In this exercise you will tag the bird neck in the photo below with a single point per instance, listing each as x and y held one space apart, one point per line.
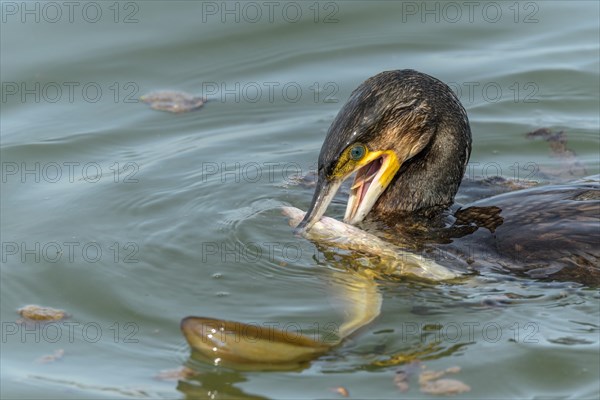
427 183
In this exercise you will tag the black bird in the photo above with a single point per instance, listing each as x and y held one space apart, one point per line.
407 138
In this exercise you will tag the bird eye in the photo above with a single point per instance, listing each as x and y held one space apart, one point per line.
357 152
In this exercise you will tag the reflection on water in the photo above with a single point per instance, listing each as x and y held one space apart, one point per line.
434 333
219 384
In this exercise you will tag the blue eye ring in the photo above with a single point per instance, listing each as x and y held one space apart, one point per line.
357 152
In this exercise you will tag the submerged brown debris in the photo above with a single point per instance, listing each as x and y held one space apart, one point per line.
570 166
342 391
430 381
34 312
176 374
49 358
173 101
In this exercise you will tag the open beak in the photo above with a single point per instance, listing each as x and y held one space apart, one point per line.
370 182
373 176
324 193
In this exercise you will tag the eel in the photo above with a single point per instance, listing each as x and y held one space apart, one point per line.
253 347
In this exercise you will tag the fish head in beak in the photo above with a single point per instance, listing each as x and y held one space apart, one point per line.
374 172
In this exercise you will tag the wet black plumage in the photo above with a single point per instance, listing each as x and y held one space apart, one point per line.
543 232
547 232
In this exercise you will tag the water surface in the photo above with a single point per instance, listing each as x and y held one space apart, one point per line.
131 219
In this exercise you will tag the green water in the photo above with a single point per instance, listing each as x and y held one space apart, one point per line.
131 219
